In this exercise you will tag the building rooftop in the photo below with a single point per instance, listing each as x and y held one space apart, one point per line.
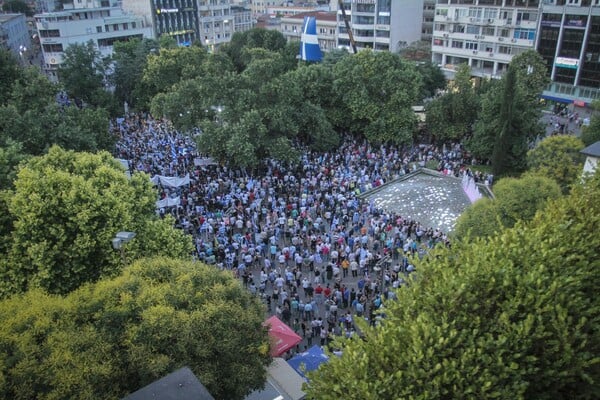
319 15
592 150
179 385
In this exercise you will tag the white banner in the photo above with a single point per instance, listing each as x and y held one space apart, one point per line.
171 181
168 202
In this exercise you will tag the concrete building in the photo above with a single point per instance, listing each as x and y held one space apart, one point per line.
242 18
216 22
485 34
569 41
259 7
176 18
91 20
384 25
291 27
14 35
428 18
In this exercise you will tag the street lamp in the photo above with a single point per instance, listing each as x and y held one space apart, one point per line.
119 240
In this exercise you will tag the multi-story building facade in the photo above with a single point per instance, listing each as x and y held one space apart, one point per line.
569 41
242 19
259 7
94 21
485 34
14 35
291 27
383 25
176 18
216 22
428 17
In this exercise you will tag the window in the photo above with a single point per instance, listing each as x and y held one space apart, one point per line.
504 49
133 25
471 45
49 33
99 29
125 27
490 13
475 12
457 44
458 29
504 32
442 11
528 34
53 48
488 31
473 29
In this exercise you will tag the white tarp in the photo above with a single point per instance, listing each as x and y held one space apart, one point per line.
171 181
168 202
202 161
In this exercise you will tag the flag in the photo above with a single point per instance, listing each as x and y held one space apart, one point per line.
309 41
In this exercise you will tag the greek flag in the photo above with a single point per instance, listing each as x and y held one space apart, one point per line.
309 42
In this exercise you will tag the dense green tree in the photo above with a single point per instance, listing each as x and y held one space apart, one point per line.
450 117
528 79
113 337
510 144
130 59
67 208
34 119
168 67
516 199
480 219
591 134
17 6
558 158
9 74
255 38
514 317
433 79
10 156
83 73
376 91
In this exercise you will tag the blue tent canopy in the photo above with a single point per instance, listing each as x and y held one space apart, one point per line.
308 361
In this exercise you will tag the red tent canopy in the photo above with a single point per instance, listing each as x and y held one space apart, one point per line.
282 336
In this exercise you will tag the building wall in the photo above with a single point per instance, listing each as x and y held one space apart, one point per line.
103 26
384 25
482 35
14 35
569 41
291 28
176 18
216 22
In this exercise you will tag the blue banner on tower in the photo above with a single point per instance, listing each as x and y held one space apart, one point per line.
309 42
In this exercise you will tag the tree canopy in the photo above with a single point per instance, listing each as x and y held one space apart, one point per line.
516 199
512 317
67 208
111 338
557 157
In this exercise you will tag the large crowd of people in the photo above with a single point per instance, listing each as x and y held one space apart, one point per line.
299 236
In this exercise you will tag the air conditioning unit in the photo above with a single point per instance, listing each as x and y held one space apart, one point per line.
514 40
446 35
448 18
501 39
490 21
472 19
491 54
474 51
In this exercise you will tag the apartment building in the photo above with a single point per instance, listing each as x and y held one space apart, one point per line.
216 22
291 28
569 41
383 25
242 18
175 18
485 34
14 35
95 20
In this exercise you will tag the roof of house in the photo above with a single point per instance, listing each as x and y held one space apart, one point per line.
179 385
319 15
592 150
